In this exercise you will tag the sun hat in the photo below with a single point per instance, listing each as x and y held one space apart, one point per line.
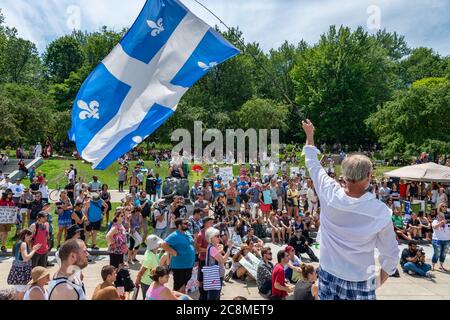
153 242
37 274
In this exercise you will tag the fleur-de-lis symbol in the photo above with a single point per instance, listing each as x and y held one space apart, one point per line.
157 27
90 111
205 66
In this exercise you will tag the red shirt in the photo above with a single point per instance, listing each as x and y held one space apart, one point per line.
201 241
403 190
7 203
278 276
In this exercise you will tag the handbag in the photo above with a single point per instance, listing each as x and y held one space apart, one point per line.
137 238
211 275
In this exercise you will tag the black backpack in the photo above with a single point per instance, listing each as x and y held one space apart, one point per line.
124 280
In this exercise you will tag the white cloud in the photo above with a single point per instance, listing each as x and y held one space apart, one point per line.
269 22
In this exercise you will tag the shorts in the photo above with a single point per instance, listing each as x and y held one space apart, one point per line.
5 227
21 288
181 277
132 244
243 198
94 226
274 205
66 224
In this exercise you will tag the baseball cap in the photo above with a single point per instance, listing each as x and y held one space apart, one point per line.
153 242
41 214
289 249
206 219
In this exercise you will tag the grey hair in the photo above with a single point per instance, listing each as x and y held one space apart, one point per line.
356 168
211 233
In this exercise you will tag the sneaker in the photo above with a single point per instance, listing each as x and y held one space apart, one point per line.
410 272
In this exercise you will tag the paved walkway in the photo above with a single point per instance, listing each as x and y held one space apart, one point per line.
404 288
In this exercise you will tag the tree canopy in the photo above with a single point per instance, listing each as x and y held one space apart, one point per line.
357 87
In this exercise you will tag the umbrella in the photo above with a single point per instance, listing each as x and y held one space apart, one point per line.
197 168
429 171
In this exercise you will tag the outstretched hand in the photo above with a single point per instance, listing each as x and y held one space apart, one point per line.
308 127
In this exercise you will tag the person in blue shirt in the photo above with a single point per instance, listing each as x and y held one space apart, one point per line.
157 187
219 188
32 173
242 188
180 245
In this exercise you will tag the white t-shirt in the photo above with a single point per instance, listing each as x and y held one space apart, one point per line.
441 233
17 190
434 195
162 224
44 190
71 175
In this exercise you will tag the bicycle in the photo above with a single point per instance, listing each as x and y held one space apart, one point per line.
54 194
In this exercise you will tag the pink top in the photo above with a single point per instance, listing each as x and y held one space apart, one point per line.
154 294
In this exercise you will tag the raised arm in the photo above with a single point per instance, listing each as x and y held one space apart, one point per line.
322 182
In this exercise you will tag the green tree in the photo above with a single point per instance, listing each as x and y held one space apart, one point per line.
422 63
20 59
340 81
63 56
416 120
263 114
26 114
96 46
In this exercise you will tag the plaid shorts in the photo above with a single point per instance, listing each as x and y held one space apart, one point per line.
333 288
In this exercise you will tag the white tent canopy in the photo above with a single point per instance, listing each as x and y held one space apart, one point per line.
430 171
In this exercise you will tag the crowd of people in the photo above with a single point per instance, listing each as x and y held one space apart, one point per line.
224 238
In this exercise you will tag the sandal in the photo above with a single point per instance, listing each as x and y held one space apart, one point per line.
442 268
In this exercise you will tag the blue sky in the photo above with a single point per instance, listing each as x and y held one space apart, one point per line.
269 22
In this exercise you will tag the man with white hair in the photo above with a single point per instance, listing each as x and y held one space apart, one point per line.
353 224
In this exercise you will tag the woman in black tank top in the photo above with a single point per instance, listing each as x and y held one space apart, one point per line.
306 288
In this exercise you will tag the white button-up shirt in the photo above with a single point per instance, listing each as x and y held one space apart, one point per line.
351 228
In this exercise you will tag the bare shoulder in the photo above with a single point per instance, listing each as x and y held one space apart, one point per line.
64 291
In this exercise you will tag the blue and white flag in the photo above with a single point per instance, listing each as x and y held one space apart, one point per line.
138 85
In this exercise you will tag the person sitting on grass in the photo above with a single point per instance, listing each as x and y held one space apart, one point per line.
399 229
413 260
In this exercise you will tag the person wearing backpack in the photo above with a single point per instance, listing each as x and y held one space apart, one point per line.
93 212
160 219
41 235
145 204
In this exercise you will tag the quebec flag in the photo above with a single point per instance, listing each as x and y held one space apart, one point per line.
138 85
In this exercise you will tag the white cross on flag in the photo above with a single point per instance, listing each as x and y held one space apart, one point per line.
138 85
